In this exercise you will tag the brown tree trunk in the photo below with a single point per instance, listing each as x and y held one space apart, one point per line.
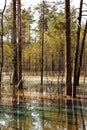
29 33
77 51
42 58
1 45
53 64
19 45
15 75
1 51
68 50
81 53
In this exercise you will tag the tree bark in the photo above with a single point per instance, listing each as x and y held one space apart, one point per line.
15 75
68 49
81 53
19 45
77 50
42 58
1 45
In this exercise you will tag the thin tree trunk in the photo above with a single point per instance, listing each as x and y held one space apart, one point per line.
1 45
53 64
81 53
19 45
68 50
0 78
1 62
29 33
77 50
15 75
42 60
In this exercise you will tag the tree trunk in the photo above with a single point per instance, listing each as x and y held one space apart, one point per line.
0 78
1 45
19 45
15 75
68 50
29 33
81 53
1 53
53 64
77 51
42 60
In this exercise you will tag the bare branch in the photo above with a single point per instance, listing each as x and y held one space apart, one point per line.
4 6
85 4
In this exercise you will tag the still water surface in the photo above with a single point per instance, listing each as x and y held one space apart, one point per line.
30 112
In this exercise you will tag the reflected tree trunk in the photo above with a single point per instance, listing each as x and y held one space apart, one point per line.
69 114
81 111
43 115
75 114
18 101
72 115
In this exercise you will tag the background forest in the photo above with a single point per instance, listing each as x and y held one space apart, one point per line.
43 31
43 65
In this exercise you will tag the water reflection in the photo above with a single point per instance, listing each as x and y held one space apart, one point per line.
75 115
36 112
82 117
51 116
72 115
18 102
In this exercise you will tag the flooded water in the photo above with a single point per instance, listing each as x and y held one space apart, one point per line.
32 110
62 115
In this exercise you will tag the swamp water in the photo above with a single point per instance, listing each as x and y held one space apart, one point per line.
32 110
